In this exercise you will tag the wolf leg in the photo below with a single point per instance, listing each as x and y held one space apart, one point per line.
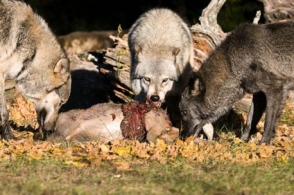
4 128
274 107
256 110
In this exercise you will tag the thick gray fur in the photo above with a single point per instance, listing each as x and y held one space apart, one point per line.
31 55
257 59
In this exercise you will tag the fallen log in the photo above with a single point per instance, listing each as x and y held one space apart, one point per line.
278 10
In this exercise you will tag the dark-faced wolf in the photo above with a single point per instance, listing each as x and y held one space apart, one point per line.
31 55
257 59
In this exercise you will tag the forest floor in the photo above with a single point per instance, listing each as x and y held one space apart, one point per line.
225 166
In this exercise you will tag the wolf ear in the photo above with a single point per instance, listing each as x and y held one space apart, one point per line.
176 51
137 49
197 88
62 68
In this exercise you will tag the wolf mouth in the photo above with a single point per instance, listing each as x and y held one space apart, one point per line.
157 104
192 129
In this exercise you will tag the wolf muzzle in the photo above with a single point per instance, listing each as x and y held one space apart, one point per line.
41 117
47 126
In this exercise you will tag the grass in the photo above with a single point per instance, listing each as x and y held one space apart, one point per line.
287 115
22 176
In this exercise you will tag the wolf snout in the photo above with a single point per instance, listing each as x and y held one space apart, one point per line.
41 117
155 98
45 120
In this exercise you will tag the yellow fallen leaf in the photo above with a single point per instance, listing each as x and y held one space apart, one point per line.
121 151
180 142
143 154
160 143
190 139
104 148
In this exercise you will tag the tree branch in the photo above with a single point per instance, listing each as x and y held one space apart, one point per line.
278 10
208 34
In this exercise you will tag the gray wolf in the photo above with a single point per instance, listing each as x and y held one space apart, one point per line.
161 49
257 59
79 41
31 55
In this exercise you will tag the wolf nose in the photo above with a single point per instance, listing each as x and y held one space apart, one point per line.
154 98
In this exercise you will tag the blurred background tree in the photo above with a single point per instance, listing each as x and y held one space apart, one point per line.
65 16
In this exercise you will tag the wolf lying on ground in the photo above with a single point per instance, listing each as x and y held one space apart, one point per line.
31 55
256 59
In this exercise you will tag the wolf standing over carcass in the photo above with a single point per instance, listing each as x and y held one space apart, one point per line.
162 55
31 55
256 59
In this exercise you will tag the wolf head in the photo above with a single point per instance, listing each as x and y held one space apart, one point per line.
47 108
192 117
45 78
154 75
48 92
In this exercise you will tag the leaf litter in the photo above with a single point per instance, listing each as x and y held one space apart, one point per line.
122 153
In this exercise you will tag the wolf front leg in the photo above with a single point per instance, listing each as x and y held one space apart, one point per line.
256 110
4 124
275 104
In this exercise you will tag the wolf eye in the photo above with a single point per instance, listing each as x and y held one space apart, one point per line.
165 80
147 79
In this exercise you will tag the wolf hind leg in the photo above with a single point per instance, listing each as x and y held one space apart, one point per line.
257 108
5 130
274 108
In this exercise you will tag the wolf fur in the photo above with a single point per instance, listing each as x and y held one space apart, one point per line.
31 55
80 41
257 59
162 54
